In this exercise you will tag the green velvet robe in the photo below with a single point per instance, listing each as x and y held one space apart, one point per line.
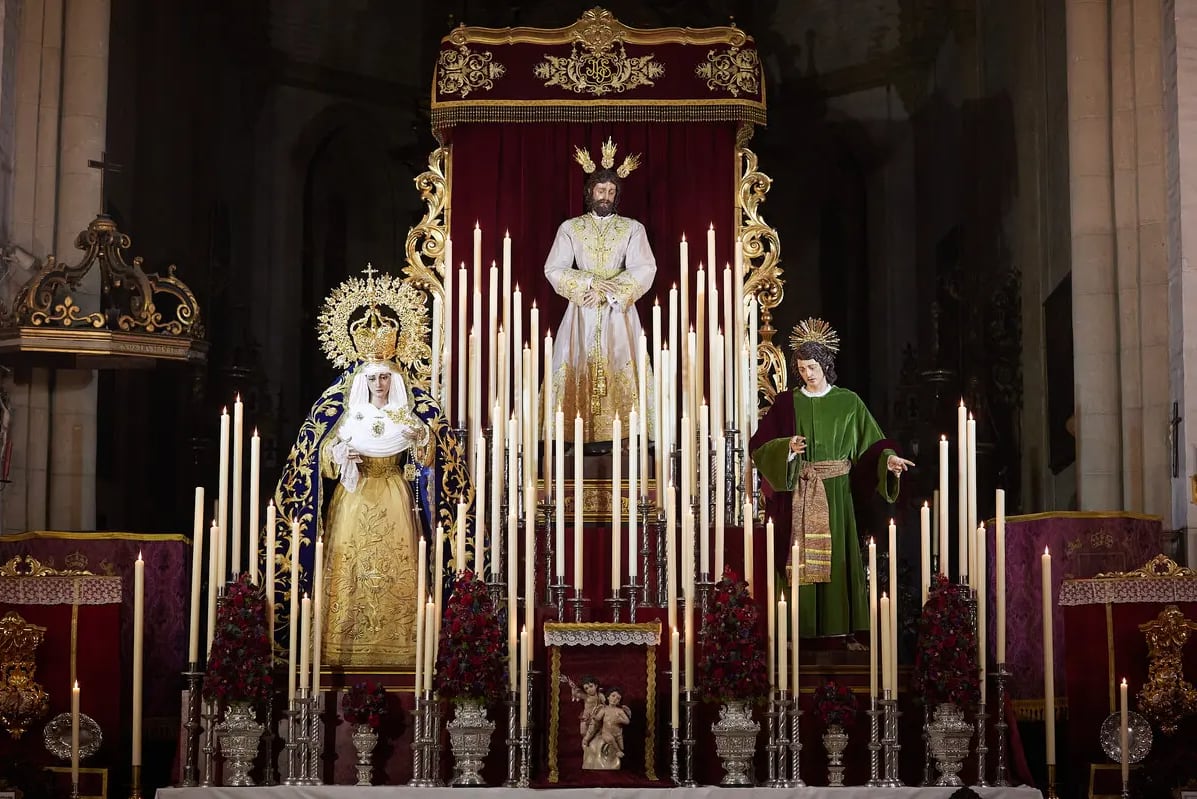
836 426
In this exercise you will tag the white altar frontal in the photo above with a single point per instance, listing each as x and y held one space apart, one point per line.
700 792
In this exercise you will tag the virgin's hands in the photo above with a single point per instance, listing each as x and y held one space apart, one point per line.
898 465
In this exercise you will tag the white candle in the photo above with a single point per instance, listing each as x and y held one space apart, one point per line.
982 610
459 546
517 346
293 619
447 344
698 356
999 574
783 653
271 546
477 252
530 565
238 451
794 621
675 686
748 550
551 455
496 489
1049 660
971 453
925 550
222 501
559 490
727 340
873 636
438 578
962 489
533 388
255 490
616 505
686 358
317 613
893 582
674 354
430 645
578 444
658 373
1124 733
305 643
138 652
462 333
720 508
213 582
197 562
770 598
435 377
943 506
421 592
75 733
480 506
492 342
886 654
671 558
633 492
525 659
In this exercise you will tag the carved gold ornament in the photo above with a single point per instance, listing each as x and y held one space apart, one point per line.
462 71
598 71
762 270
733 70
29 566
1158 568
608 159
1167 698
22 700
382 313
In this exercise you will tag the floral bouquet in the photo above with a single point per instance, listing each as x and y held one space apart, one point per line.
239 663
732 667
945 666
835 704
364 703
469 661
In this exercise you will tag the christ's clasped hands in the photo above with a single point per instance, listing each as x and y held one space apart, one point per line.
598 293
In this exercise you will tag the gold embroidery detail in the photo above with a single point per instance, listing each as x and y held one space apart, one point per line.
464 71
598 70
22 700
1166 698
733 70
599 240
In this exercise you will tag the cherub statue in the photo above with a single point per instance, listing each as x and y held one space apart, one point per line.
590 696
602 745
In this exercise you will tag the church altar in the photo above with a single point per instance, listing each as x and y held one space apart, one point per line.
701 792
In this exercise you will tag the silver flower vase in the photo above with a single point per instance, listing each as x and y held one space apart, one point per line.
239 735
470 732
835 741
735 741
364 740
949 736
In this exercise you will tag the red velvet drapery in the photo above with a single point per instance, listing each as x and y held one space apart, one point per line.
523 179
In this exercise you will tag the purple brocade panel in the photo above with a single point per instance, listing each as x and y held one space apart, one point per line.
167 582
1082 544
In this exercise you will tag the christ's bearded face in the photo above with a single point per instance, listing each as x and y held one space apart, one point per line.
602 198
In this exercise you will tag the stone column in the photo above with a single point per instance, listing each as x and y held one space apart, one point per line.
84 120
1095 302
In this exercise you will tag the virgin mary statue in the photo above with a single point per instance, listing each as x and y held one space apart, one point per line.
374 469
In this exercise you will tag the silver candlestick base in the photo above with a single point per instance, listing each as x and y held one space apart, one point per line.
558 590
433 769
578 603
929 777
890 740
874 714
982 748
194 679
616 603
705 587
209 716
689 703
417 743
795 780
632 589
312 774
1001 678
776 746
294 746
513 740
525 760
673 749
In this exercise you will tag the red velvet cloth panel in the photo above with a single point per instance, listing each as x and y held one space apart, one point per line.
523 179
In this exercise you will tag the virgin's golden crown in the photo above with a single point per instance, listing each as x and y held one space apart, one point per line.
375 336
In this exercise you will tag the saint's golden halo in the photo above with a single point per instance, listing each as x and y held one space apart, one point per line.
814 331
384 297
608 159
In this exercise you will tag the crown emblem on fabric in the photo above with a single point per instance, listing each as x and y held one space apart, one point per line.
609 147
814 331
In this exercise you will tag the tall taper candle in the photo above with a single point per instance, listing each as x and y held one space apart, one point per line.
438 322
795 619
530 562
496 489
317 613
704 483
616 505
925 550
748 550
783 653
886 653
633 493
447 343
238 452
982 607
698 373
462 332
873 636
1049 659
213 583
492 343
524 661
770 598
962 489
305 642
558 423
674 353
438 577
430 646
421 593
578 554
943 506
720 508
138 652
686 362
222 500
255 476
551 455
970 447
75 733
480 506
269 563
293 619
459 541
671 557
999 574
893 580
197 575
517 348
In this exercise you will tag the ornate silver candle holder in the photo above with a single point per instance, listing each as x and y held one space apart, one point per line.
296 724
982 747
893 747
209 716
632 589
874 713
312 772
194 680
795 780
558 589
689 703
777 740
417 742
513 740
1001 678
578 602
616 604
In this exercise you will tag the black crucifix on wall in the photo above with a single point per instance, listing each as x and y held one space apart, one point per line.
105 166
1174 434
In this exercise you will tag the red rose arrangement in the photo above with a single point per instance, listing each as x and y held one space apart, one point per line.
732 665
945 666
835 704
470 658
240 661
364 703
